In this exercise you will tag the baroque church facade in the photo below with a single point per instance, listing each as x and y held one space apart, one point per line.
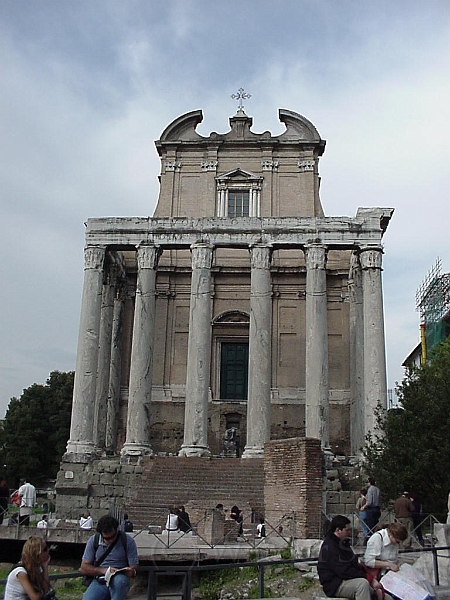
239 313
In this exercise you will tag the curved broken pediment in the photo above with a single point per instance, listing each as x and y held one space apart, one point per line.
183 128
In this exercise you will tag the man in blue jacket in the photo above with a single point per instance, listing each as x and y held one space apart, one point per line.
338 568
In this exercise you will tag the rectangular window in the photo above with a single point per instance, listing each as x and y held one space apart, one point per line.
234 371
238 203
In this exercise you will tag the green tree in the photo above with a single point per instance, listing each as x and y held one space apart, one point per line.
412 449
36 429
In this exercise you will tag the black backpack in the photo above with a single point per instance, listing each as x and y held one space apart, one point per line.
128 525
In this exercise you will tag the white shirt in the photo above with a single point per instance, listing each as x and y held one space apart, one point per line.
14 589
42 524
380 547
172 522
27 493
86 522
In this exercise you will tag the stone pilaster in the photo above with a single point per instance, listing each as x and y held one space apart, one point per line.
140 390
260 353
195 441
356 324
317 402
114 371
80 446
375 386
104 358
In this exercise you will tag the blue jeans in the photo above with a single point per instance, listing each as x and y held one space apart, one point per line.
373 515
118 589
363 519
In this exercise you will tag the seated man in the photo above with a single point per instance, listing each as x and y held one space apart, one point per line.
339 572
110 549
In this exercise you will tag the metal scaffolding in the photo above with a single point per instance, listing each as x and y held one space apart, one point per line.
433 304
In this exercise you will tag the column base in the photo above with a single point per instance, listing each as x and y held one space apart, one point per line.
253 452
187 450
133 450
80 452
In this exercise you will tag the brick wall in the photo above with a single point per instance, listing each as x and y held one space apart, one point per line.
199 484
285 486
293 486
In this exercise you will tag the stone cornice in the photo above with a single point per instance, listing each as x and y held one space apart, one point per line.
366 229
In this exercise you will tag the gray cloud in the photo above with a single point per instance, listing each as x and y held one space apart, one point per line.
87 87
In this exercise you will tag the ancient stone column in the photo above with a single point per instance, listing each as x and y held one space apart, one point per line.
104 358
375 386
260 353
114 371
140 389
317 402
356 324
195 441
80 446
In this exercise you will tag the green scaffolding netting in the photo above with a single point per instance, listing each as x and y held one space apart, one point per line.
435 333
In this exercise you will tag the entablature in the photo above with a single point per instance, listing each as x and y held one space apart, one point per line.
366 229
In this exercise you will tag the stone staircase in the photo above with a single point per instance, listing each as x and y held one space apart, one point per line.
198 484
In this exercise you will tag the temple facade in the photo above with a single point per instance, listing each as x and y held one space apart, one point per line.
239 313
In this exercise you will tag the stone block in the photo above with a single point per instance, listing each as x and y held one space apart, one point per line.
107 479
348 498
308 548
333 497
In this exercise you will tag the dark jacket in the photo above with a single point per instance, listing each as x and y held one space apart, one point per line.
337 562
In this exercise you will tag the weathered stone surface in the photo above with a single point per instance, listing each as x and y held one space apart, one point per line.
303 299
307 548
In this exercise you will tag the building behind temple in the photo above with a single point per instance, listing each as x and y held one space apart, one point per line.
239 313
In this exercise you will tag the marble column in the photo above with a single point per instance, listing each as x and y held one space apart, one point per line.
356 324
375 386
260 353
80 446
140 389
115 368
317 402
104 358
195 441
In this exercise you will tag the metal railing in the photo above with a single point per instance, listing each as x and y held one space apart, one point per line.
426 525
283 529
186 571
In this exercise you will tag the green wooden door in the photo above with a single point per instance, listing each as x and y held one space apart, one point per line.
234 371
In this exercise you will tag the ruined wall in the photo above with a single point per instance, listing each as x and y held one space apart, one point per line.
294 485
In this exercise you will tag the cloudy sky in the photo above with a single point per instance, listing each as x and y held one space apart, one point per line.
87 86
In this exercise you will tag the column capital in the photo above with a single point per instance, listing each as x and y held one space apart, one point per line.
316 256
147 256
94 257
201 256
260 256
371 257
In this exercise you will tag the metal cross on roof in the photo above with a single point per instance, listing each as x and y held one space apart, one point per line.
241 95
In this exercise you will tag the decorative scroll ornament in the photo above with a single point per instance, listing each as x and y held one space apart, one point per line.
371 258
269 165
94 257
172 165
209 165
316 256
148 256
306 165
201 256
260 256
